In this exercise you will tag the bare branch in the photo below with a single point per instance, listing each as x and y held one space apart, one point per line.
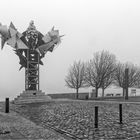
76 76
100 69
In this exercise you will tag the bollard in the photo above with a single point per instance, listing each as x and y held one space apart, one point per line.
7 105
96 116
126 83
120 113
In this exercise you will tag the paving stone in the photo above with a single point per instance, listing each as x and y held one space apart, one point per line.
13 126
77 118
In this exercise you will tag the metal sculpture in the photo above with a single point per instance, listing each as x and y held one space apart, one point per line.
30 46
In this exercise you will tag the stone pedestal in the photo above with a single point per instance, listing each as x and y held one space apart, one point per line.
31 96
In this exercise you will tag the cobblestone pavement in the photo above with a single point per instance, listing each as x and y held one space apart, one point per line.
76 118
15 127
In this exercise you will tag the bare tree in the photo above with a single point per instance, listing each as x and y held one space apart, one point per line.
133 74
108 81
137 83
120 76
76 76
99 69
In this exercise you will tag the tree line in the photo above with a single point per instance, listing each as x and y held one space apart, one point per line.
102 71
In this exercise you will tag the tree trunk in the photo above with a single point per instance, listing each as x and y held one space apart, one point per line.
103 91
96 94
123 91
126 83
77 93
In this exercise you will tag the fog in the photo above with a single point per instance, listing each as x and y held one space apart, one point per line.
88 25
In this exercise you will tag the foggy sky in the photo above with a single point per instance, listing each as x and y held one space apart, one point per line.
89 26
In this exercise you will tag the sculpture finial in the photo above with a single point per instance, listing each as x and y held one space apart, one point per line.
31 25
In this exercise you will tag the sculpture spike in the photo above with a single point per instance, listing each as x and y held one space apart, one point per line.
53 28
61 36
12 26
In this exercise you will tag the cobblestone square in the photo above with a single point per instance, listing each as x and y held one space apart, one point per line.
75 119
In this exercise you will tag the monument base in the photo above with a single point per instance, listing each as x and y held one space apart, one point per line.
31 96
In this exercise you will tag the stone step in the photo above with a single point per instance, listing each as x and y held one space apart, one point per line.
29 97
31 91
31 101
39 97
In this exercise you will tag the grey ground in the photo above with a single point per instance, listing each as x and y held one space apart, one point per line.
67 119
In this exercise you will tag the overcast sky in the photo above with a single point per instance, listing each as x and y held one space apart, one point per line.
89 26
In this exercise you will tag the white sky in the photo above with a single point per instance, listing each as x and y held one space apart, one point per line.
89 26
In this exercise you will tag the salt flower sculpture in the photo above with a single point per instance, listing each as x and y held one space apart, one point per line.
30 46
